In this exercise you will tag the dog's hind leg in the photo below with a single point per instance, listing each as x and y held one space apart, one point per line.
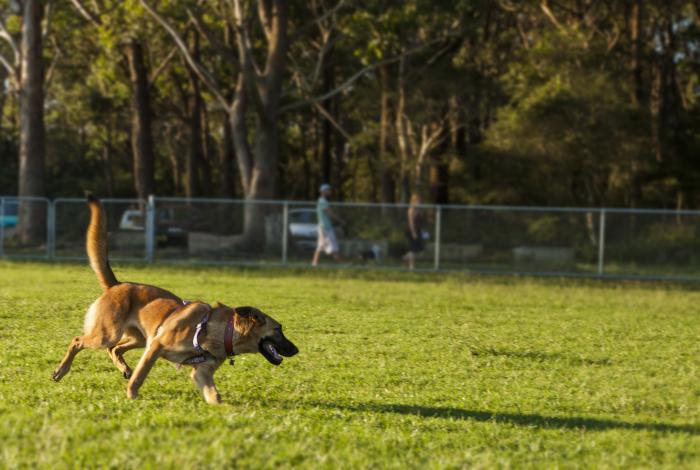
127 343
149 358
101 331
203 377
76 345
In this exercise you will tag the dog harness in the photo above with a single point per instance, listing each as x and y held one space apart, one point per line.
198 330
202 354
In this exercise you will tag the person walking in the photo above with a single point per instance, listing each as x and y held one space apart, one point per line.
327 241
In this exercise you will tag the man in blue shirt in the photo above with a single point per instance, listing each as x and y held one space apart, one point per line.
327 241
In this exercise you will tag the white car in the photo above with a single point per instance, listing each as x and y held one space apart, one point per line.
132 219
168 232
303 223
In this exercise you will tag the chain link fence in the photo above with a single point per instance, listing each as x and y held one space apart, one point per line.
586 242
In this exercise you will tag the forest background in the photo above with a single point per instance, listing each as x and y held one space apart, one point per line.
566 103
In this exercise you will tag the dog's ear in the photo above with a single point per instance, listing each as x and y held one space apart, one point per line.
247 318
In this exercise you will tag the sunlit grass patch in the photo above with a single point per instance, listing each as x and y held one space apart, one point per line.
393 372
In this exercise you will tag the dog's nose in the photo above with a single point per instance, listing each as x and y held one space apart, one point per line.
290 349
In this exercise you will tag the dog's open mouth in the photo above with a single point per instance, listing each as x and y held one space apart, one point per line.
268 349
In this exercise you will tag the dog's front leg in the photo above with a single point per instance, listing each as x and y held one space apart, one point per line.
144 366
203 377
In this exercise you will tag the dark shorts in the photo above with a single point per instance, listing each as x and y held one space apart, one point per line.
415 245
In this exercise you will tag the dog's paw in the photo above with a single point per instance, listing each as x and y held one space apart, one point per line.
213 399
132 394
127 374
57 375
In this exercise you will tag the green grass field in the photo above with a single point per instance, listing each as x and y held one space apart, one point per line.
395 370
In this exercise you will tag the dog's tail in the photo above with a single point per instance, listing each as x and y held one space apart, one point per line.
97 244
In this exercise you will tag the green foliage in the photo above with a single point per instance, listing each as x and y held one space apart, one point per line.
543 104
571 123
656 244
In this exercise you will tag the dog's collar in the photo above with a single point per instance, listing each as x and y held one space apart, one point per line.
228 335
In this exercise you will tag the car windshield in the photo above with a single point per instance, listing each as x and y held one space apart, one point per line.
303 217
136 218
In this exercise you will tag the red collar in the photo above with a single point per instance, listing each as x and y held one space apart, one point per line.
228 335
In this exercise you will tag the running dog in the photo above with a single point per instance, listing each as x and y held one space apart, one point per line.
129 315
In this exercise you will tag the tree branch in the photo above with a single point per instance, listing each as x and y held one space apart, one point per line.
356 76
164 63
304 86
316 21
47 20
206 33
11 71
5 34
203 74
332 120
52 66
548 13
87 14
245 48
249 67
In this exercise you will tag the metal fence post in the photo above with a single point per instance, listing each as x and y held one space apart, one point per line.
2 226
51 229
438 228
150 228
285 230
601 243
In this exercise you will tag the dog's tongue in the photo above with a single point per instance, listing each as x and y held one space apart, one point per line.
270 348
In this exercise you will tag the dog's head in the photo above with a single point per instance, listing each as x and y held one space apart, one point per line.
258 332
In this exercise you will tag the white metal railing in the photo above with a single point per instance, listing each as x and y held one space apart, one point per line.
627 243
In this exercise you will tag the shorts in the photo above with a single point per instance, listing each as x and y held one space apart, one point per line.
327 241
415 245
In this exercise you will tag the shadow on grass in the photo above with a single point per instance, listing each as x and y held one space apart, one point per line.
542 356
518 419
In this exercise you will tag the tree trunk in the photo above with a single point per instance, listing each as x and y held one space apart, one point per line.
194 108
227 155
263 185
327 142
636 19
402 137
107 161
439 181
205 177
32 217
239 133
259 169
141 133
194 153
387 177
638 95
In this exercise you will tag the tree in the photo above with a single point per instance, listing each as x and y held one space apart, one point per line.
122 25
257 92
26 74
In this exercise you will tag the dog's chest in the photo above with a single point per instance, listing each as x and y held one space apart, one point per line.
188 357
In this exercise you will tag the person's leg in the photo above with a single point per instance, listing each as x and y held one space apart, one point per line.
411 260
317 255
320 243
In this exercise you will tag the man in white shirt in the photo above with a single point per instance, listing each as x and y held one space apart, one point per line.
327 241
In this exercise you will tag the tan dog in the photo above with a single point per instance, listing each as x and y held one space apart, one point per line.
129 315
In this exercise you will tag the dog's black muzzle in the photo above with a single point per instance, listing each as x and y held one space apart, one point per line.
275 346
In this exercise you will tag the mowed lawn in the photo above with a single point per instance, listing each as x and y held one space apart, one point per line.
395 370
